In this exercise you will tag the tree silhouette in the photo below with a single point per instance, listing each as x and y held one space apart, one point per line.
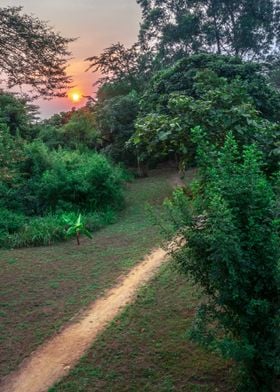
32 54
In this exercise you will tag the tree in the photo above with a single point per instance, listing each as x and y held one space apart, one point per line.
115 119
232 251
80 130
18 114
245 28
181 77
217 93
31 54
76 129
118 64
11 154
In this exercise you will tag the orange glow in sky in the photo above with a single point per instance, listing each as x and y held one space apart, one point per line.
89 21
75 96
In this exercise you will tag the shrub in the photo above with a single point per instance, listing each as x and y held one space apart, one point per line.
36 231
54 134
232 251
69 180
43 184
10 221
41 231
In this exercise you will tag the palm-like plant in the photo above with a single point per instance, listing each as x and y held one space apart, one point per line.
76 228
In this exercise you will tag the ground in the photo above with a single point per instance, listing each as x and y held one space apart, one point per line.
42 288
147 349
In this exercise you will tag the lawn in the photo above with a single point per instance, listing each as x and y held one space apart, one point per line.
147 349
43 288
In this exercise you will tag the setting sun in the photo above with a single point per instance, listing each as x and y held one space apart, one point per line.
75 96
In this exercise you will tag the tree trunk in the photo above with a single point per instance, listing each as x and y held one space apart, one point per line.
217 33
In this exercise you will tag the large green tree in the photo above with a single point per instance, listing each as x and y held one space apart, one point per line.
32 54
247 28
219 94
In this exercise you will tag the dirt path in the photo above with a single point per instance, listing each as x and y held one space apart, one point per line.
56 357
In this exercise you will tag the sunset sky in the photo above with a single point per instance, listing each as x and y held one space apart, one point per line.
96 23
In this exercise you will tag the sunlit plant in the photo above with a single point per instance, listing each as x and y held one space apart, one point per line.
76 228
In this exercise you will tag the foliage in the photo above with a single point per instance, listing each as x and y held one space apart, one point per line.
115 119
34 232
232 251
76 228
59 119
81 130
122 65
37 185
125 72
75 130
212 92
116 62
181 78
32 54
11 154
69 180
18 114
17 230
242 28
112 89
10 222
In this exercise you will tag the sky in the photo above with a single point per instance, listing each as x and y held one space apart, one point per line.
96 23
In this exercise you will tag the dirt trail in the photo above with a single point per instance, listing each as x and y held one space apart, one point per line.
56 357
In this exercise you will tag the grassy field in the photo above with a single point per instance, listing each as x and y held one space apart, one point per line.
146 348
42 288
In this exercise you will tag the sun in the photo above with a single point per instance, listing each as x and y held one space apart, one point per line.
75 96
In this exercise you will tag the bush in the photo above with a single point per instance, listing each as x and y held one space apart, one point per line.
41 231
232 231
11 155
78 132
69 180
43 184
10 221
34 232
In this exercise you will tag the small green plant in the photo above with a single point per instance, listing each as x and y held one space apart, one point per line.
76 228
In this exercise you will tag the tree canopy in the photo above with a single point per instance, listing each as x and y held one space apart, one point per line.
246 28
118 64
32 54
220 94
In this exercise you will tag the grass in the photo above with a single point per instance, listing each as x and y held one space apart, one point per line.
42 288
146 348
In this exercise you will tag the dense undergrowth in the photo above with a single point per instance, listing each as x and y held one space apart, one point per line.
41 188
